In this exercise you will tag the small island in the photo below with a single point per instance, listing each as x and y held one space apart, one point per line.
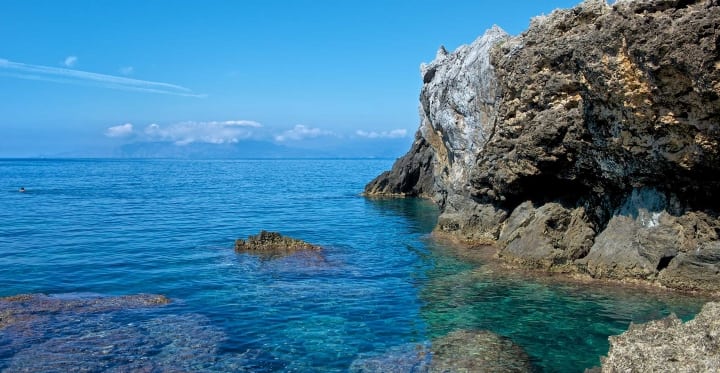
272 244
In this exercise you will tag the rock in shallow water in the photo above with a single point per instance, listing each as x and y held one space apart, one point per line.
668 345
273 244
92 333
462 351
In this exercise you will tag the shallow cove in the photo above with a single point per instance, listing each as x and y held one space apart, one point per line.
117 227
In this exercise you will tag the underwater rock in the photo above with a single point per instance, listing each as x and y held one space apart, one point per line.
668 345
590 143
80 332
273 244
25 307
477 351
459 351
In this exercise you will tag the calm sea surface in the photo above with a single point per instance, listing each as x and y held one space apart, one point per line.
119 227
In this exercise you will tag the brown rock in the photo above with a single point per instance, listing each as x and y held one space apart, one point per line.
272 244
589 143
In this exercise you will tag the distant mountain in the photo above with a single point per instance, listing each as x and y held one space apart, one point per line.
356 148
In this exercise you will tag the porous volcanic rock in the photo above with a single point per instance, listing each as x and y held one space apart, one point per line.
587 144
668 345
272 244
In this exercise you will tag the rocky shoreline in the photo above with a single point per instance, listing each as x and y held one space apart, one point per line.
587 145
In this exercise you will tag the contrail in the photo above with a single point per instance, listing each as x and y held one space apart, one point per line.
69 76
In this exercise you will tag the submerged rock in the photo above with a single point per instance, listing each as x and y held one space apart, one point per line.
477 351
462 351
590 143
23 308
668 345
92 333
273 244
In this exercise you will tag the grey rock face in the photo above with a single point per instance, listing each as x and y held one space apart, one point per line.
458 114
668 345
589 143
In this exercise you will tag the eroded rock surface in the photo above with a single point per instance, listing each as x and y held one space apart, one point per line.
273 244
587 144
668 345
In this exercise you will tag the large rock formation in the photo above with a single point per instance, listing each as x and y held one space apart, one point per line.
668 345
587 144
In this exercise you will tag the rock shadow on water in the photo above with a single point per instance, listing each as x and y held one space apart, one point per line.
81 332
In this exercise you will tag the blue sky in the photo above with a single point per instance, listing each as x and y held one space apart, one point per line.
83 77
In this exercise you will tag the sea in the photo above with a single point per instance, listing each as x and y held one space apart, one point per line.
381 288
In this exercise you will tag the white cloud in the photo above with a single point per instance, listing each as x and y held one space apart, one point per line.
121 130
70 76
127 70
214 132
394 134
300 132
70 61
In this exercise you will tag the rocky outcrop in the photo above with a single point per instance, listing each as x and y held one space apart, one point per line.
457 111
270 244
668 345
587 144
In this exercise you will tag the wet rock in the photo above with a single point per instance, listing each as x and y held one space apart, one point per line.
589 143
668 345
273 244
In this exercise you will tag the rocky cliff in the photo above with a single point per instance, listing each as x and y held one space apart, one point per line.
587 144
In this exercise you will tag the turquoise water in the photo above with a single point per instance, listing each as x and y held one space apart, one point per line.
117 227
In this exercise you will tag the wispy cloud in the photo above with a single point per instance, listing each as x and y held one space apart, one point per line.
70 76
394 134
70 61
214 132
300 132
121 130
127 70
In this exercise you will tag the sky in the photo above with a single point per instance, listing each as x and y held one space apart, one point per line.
84 77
